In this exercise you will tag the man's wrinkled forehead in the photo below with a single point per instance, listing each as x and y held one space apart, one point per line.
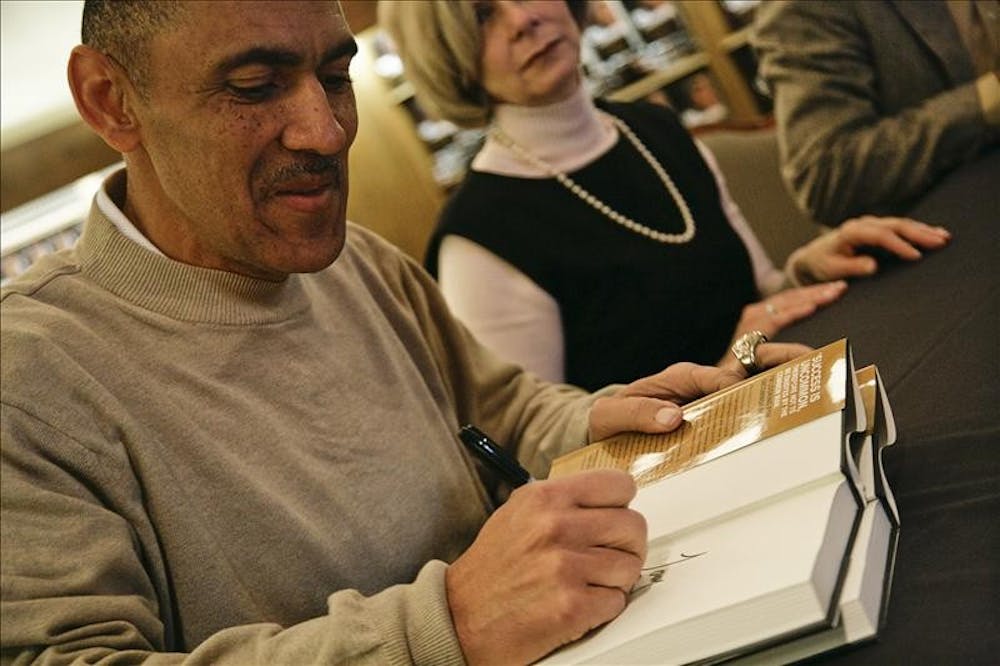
226 34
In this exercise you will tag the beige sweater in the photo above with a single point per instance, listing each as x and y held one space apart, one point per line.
237 471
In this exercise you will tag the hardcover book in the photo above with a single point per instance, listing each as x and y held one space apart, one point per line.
756 509
865 595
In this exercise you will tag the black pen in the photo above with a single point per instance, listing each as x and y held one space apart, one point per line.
494 456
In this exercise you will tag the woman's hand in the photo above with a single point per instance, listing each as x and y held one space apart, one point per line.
835 255
787 307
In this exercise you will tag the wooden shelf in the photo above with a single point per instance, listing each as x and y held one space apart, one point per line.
658 79
735 40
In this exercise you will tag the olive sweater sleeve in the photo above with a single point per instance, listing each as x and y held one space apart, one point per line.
198 468
850 143
539 419
79 587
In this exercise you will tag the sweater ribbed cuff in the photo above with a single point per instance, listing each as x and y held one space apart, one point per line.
420 611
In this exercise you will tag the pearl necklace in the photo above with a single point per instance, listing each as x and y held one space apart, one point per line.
600 206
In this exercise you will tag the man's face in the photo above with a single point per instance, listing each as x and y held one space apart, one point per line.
245 128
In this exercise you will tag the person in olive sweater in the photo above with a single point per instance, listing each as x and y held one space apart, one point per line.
877 100
229 417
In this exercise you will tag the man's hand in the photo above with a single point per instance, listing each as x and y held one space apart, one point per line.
651 404
556 560
840 253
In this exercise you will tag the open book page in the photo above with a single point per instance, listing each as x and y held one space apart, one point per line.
753 474
785 397
734 582
749 545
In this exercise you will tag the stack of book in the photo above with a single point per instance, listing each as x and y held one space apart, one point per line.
772 527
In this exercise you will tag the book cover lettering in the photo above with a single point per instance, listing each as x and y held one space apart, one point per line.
779 399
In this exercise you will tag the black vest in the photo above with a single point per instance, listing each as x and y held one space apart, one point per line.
630 306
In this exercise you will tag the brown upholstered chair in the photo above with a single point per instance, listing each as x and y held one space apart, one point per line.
749 161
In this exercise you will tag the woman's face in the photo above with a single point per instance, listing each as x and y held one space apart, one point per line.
531 51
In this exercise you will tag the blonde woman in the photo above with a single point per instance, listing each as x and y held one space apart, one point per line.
596 242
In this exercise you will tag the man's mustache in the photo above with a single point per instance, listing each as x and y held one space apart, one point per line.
328 166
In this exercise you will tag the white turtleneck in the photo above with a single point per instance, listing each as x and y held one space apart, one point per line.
567 135
502 306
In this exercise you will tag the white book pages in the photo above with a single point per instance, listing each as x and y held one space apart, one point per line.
752 474
734 581
862 596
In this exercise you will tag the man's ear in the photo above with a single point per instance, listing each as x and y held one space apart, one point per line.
101 92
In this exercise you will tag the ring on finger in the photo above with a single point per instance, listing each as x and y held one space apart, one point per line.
745 350
771 310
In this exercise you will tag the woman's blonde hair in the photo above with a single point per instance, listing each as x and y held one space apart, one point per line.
439 43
